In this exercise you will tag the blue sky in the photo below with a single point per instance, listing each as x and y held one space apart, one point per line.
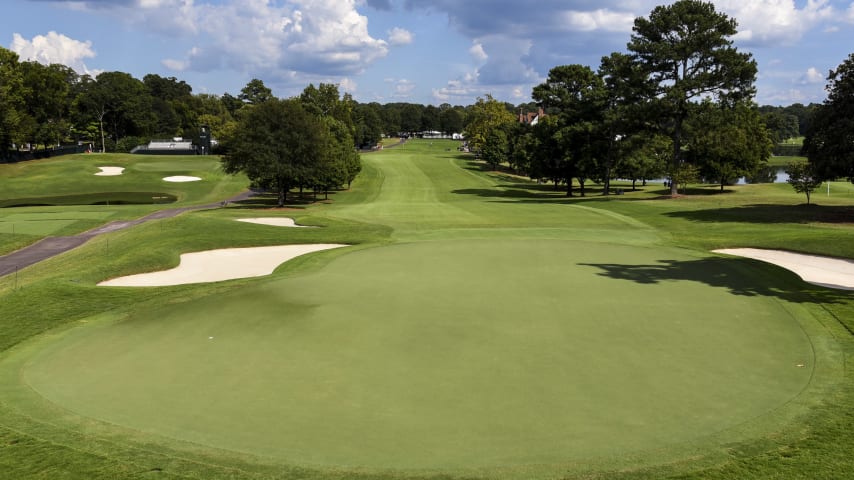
420 51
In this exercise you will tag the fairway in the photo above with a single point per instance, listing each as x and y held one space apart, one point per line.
481 333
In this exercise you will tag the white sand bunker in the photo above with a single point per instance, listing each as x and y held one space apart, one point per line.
218 265
823 271
110 171
181 178
274 221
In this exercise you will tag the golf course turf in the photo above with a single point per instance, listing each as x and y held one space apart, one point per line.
474 328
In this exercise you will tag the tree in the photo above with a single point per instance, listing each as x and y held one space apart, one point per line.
255 93
410 117
829 143
278 144
727 141
451 120
646 156
803 178
487 114
368 124
685 52
11 100
781 126
577 96
496 147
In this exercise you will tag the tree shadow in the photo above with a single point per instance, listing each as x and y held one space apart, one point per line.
267 200
738 276
764 213
545 193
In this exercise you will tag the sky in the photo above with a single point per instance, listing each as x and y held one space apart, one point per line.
419 51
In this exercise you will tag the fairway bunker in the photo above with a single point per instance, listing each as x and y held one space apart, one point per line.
181 179
822 271
275 222
219 265
110 171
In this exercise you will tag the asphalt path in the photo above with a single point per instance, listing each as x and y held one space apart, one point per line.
51 246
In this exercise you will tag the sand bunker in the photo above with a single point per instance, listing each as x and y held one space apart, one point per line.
823 271
218 265
181 178
274 221
110 171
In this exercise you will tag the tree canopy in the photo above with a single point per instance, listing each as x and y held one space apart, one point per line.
686 53
278 144
829 143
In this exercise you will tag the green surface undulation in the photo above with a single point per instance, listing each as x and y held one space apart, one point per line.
479 326
419 364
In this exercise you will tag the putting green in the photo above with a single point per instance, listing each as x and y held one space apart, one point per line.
403 357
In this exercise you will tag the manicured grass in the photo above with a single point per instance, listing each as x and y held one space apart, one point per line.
481 326
67 189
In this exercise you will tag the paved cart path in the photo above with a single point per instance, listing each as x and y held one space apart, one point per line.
52 246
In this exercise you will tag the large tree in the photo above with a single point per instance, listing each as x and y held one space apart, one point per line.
829 143
686 53
727 141
577 97
11 100
279 145
486 115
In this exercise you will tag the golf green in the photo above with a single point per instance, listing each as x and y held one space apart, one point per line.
406 357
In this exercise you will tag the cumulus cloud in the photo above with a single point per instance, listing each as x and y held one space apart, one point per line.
400 87
54 48
281 38
477 52
811 77
601 19
775 22
399 36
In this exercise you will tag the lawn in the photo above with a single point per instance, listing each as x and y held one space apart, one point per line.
64 196
479 326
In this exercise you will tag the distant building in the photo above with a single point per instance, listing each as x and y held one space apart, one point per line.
531 118
178 146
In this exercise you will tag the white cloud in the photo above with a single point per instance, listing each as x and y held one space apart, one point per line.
477 52
811 77
275 38
54 48
775 22
400 87
399 36
347 85
602 19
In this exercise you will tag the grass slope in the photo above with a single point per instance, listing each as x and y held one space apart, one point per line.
400 353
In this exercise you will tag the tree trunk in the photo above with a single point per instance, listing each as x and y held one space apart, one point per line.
569 187
634 183
283 193
607 180
101 123
677 154
581 181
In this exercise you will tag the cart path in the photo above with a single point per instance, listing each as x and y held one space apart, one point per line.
51 246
